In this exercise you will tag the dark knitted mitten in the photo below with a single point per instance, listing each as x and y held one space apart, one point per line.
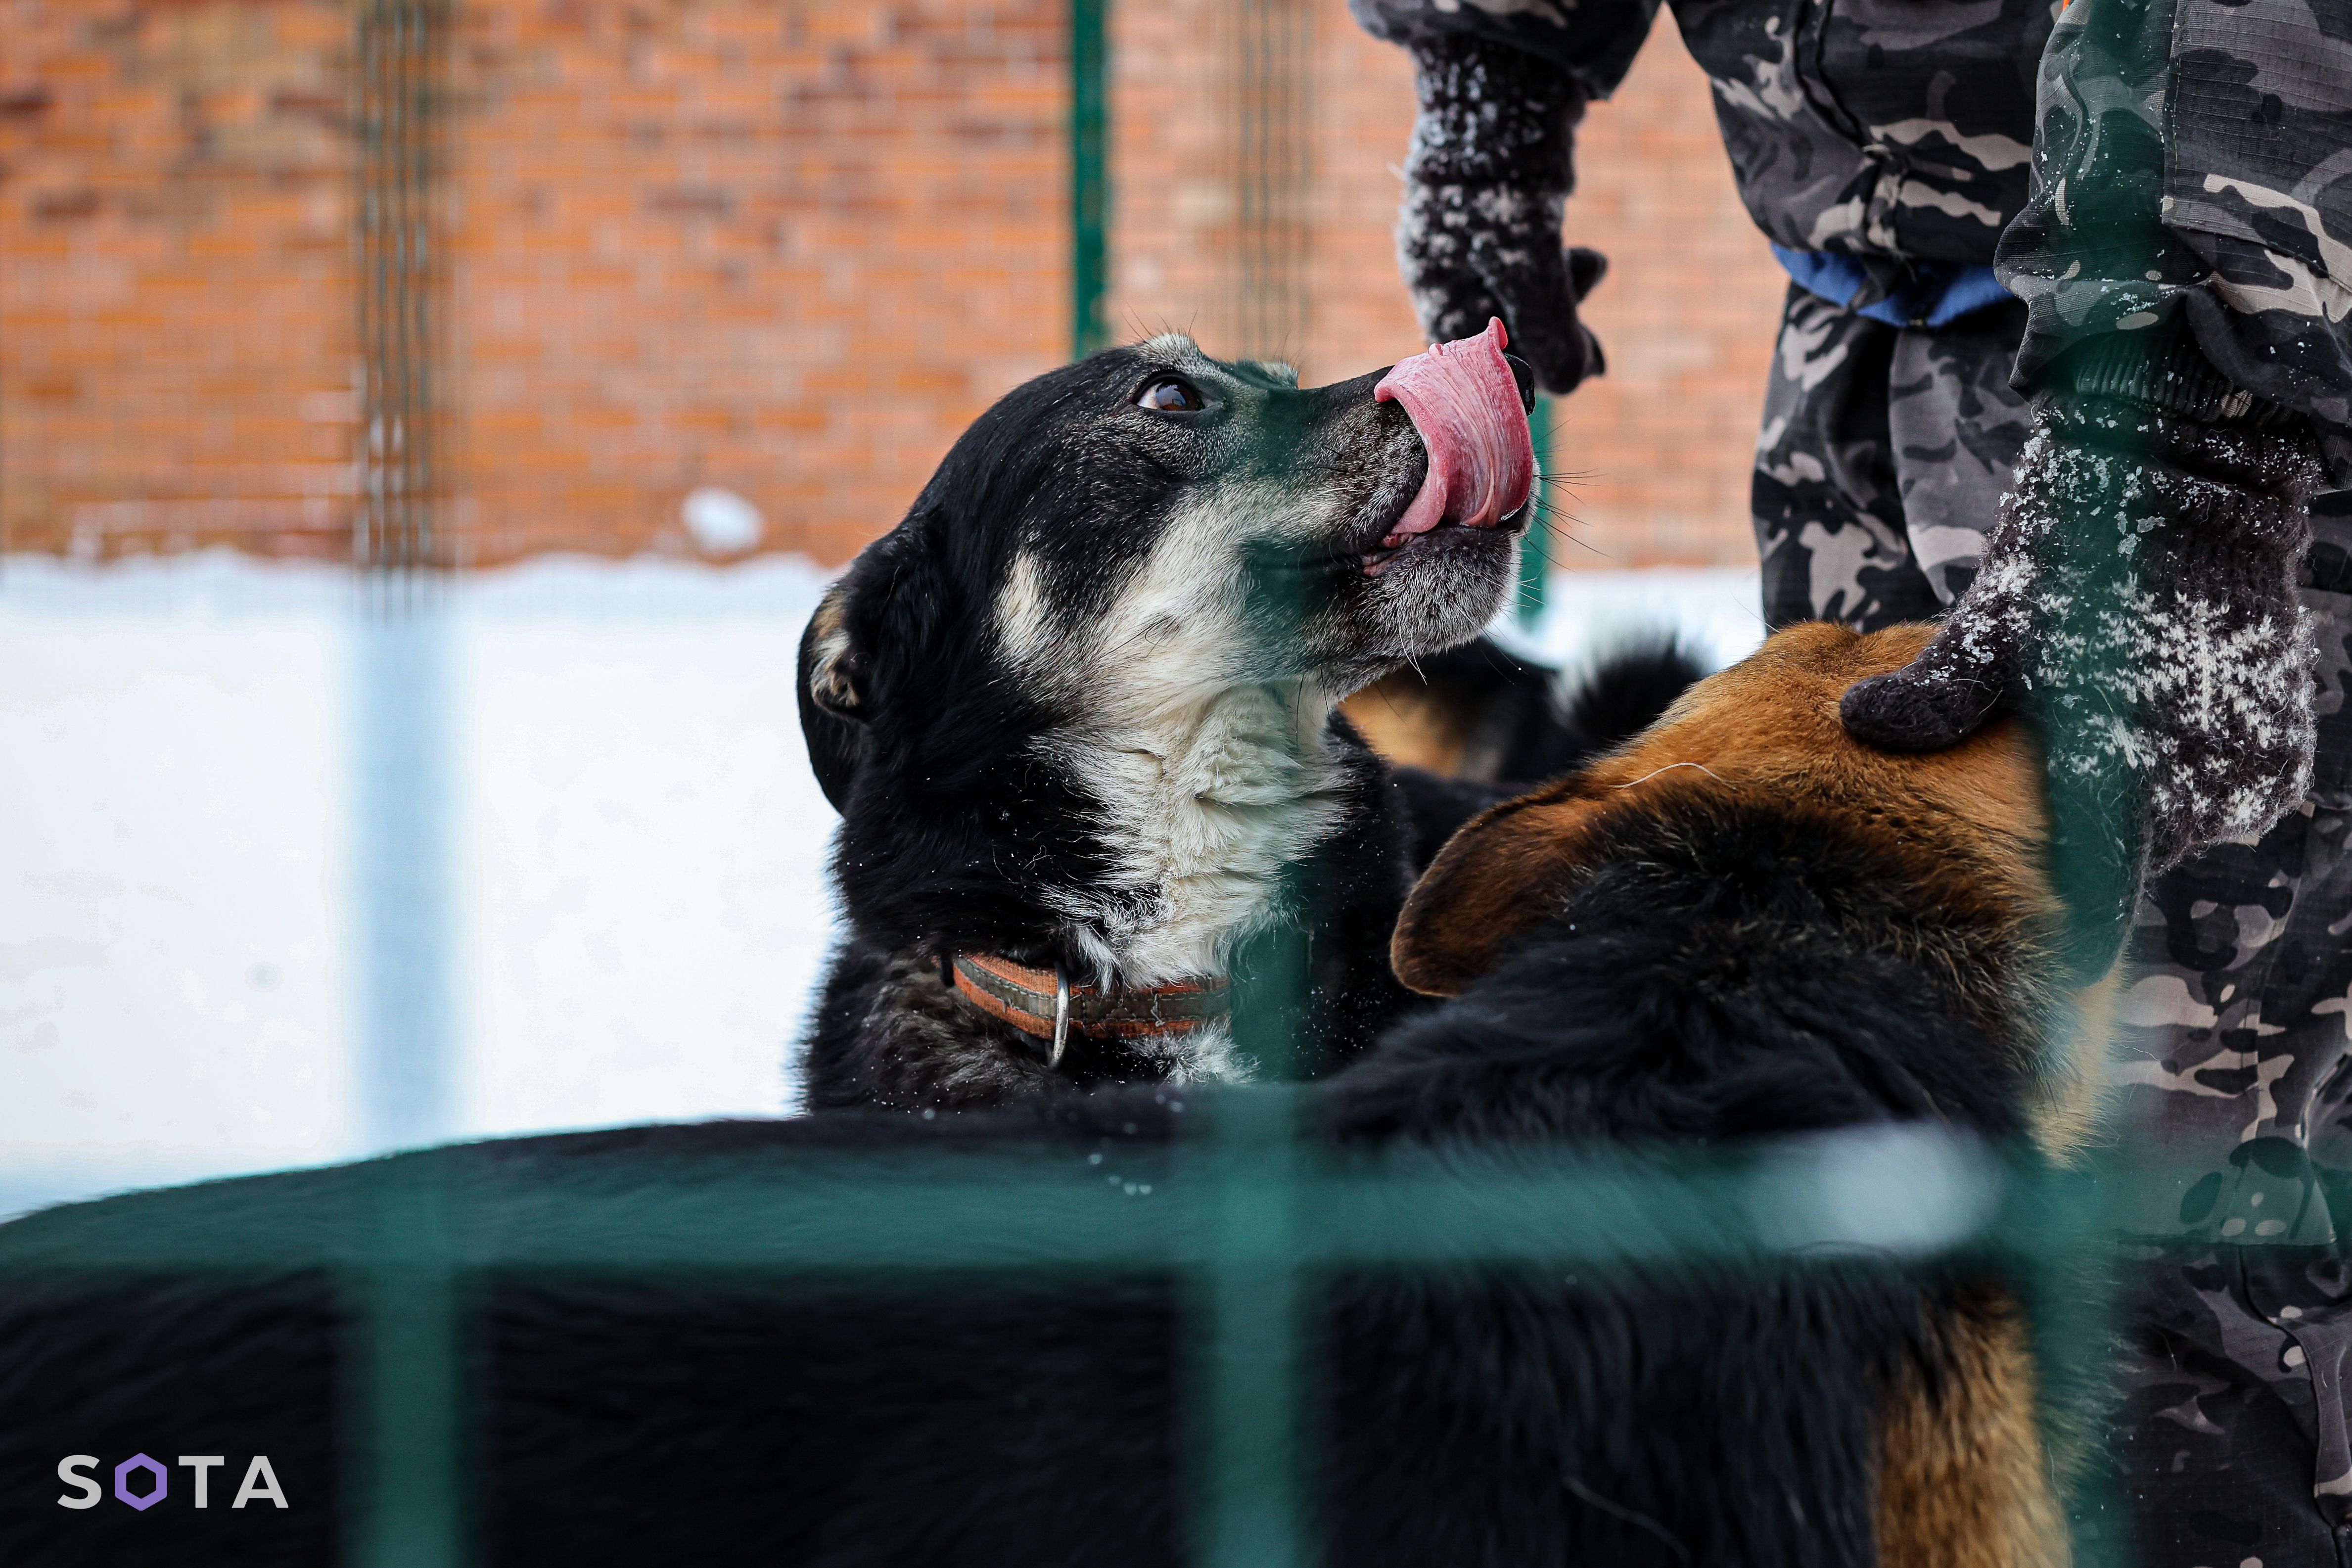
2136 602
1478 235
2138 587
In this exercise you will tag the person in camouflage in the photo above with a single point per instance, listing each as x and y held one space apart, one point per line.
2064 359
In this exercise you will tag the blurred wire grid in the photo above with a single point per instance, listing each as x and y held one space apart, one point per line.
1270 86
1251 1212
405 1435
400 645
400 46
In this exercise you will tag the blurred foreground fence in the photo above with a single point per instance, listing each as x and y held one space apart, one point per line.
1242 1212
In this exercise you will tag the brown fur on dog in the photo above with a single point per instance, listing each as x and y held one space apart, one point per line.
1965 1481
1768 724
1968 826
1405 721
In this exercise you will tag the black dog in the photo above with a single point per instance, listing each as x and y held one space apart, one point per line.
1477 725
1077 713
1745 925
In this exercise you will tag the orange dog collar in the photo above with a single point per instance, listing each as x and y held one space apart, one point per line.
1044 1003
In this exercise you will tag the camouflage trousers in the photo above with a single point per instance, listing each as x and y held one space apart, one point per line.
1883 454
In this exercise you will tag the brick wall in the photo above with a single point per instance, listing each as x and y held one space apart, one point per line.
1687 314
176 319
784 249
789 250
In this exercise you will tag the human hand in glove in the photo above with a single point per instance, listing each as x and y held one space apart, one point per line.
2137 600
1478 235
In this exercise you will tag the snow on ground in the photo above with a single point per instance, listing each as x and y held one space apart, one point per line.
1588 614
639 906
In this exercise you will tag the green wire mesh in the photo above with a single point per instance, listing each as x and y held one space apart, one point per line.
399 47
1242 1208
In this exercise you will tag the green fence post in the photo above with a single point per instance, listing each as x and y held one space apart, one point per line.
2071 1293
1535 544
1250 1343
401 1495
1089 172
1251 1380
405 1432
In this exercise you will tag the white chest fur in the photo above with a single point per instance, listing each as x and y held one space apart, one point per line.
1201 811
1209 779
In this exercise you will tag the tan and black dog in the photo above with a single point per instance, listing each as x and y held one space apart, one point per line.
1952 889
1740 928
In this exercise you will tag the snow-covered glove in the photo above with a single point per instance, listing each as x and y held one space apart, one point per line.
2137 603
1478 235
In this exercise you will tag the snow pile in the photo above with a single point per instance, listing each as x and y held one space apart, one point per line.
639 903
638 910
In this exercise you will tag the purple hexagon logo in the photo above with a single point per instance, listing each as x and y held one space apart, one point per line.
122 1487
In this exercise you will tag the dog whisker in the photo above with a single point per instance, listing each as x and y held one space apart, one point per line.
1630 1516
1670 767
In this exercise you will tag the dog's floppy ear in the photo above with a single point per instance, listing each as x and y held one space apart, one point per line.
1500 874
834 701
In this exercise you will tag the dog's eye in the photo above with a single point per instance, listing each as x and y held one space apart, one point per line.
1169 395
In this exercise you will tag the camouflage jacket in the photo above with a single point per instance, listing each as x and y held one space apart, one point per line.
1898 132
2193 166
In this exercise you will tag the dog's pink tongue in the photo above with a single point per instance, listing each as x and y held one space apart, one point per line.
1465 403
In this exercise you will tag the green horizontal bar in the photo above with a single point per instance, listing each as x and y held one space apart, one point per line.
1137 1209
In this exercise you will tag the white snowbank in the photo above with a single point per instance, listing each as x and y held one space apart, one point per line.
639 911
1587 613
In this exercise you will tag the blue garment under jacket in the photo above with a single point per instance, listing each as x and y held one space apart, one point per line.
1939 292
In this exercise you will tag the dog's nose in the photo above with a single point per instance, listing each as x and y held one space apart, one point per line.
1524 374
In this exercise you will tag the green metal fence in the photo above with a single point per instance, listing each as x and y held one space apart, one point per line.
1244 1211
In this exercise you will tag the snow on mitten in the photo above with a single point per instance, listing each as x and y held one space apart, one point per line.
2137 603
1478 235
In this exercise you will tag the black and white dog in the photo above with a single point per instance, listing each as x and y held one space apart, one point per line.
1077 713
